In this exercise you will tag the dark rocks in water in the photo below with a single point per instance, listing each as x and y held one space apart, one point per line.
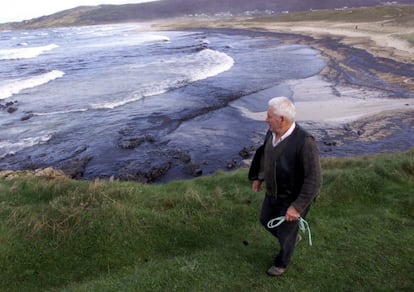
149 138
134 142
144 172
179 155
75 168
9 106
10 154
193 169
232 164
27 117
246 152
329 143
11 109
156 172
159 163
130 143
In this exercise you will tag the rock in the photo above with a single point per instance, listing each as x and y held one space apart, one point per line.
11 109
156 172
27 116
75 168
179 155
4 174
9 106
134 142
330 143
130 143
10 103
149 138
193 169
246 152
144 172
232 164
49 172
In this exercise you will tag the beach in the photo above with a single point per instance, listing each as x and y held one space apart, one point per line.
377 38
353 90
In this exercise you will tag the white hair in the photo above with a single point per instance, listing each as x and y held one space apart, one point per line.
283 106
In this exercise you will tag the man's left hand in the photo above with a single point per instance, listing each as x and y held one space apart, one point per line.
292 214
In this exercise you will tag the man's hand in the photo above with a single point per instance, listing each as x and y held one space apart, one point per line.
257 186
292 214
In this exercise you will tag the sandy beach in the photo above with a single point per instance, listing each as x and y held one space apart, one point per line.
346 103
359 101
330 108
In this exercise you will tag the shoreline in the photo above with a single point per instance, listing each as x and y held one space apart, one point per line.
350 102
343 106
334 109
348 118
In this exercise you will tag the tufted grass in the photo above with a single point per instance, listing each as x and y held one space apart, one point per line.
203 234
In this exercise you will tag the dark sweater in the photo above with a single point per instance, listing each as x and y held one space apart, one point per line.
291 170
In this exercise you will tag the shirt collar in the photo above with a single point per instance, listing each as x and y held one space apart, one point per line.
284 136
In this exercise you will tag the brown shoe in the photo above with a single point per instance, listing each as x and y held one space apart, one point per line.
275 271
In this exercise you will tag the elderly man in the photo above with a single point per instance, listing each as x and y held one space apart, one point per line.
288 163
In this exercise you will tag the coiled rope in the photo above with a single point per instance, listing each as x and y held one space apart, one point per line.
303 225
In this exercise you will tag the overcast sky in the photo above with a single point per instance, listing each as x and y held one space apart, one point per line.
18 10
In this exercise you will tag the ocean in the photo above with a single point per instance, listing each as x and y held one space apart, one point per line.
126 102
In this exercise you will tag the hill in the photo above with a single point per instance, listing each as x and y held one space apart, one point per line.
166 9
203 234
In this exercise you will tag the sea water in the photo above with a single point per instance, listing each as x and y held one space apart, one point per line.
83 89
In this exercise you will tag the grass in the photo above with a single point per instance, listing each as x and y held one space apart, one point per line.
395 20
397 15
203 234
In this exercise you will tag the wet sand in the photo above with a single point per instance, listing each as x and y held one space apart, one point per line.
361 103
379 40
364 94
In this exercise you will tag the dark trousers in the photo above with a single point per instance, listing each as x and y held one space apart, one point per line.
286 233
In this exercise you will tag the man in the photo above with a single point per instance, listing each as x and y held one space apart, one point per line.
288 163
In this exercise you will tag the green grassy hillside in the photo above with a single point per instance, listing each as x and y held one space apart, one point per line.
401 15
204 235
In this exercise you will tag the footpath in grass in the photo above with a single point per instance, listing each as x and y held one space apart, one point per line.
204 234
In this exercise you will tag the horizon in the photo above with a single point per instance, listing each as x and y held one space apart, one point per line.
35 9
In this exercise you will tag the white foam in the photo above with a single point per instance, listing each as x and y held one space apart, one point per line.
149 90
185 70
131 40
11 147
25 53
11 87
61 112
215 63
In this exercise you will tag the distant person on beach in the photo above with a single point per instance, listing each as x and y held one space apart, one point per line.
288 163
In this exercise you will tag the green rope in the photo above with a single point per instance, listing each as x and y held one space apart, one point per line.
303 225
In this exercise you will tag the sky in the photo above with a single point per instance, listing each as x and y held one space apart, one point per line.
18 10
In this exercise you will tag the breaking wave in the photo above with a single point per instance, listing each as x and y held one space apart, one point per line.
25 53
14 86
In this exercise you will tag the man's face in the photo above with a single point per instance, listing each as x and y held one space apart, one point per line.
274 121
